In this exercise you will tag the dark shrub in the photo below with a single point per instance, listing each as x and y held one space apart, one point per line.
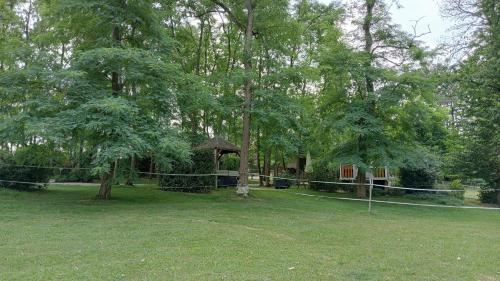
75 175
24 178
284 180
322 173
460 190
230 163
418 177
488 195
377 192
24 170
201 163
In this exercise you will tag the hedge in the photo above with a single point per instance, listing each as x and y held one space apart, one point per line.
201 163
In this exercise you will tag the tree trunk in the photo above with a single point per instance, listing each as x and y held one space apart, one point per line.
361 188
115 169
362 141
267 167
200 41
115 77
130 181
105 188
243 188
151 167
283 161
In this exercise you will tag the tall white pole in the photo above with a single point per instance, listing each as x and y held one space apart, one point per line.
370 197
216 167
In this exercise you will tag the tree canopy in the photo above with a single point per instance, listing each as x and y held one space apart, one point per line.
109 81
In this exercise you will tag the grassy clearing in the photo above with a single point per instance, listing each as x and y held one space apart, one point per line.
146 234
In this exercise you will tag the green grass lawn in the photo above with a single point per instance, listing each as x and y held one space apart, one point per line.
145 234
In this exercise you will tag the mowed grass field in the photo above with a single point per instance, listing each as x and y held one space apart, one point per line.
146 234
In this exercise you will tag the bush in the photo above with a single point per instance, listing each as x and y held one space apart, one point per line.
230 163
457 185
201 163
418 178
377 192
487 195
321 172
19 171
441 199
35 178
75 175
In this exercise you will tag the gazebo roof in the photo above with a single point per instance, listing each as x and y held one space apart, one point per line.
218 143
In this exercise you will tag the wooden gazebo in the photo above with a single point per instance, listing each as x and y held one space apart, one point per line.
220 146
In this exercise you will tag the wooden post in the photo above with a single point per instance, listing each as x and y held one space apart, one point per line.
216 167
370 196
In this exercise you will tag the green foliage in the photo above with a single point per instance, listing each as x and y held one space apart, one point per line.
201 163
23 172
229 162
325 173
434 198
39 155
457 185
75 175
104 81
487 195
418 178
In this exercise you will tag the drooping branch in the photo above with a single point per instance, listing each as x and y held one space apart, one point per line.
230 14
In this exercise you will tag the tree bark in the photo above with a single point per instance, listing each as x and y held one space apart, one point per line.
243 188
130 181
115 77
151 167
361 188
267 166
200 41
105 188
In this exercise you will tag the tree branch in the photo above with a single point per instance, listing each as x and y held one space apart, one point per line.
230 14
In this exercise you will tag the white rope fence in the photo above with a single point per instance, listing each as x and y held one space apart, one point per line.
371 185
23 182
392 202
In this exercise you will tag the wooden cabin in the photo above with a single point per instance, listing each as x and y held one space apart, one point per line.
348 172
380 175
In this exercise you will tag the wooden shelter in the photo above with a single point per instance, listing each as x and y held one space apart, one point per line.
220 146
380 175
348 172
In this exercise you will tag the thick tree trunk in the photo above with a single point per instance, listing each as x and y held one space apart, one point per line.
105 188
243 188
361 188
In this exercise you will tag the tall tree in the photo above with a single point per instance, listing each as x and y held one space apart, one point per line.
122 102
365 89
477 88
